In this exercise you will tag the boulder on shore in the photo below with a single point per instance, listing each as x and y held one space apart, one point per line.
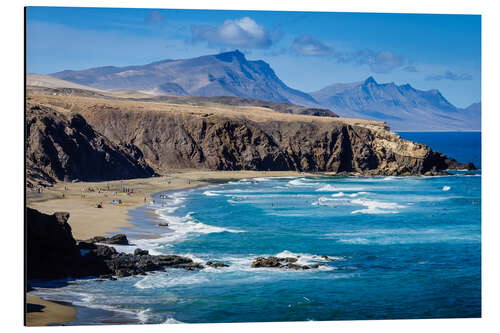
119 239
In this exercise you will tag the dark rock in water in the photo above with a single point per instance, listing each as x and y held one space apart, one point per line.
82 245
96 239
104 251
275 262
193 266
290 259
267 262
216 264
140 252
53 253
295 266
119 239
163 224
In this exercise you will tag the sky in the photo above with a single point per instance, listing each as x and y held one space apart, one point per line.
307 50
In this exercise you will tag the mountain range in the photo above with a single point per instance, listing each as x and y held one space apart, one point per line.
224 74
231 74
401 106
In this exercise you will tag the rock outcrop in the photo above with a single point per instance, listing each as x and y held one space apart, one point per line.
104 261
60 147
283 263
119 239
51 250
53 253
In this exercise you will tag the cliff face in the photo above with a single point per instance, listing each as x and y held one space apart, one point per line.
114 139
67 148
176 140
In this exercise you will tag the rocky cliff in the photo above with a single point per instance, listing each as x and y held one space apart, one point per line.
65 147
174 136
216 141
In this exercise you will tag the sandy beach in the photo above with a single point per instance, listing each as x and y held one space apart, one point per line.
86 220
41 312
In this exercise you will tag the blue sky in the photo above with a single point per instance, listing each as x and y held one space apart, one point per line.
307 50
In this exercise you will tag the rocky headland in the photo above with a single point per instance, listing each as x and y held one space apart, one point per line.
87 138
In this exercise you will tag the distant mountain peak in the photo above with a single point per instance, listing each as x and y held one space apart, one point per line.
401 106
231 55
224 74
370 80
407 86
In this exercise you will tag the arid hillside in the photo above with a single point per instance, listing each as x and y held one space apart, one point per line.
229 137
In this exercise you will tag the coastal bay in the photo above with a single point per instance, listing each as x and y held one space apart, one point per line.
86 221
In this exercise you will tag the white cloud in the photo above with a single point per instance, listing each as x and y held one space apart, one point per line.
449 75
243 33
308 46
379 62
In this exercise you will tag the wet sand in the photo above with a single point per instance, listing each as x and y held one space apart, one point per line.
41 312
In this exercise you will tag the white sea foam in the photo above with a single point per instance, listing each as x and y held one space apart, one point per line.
302 182
308 259
211 193
144 316
327 188
171 320
336 188
376 207
90 301
179 229
353 195
162 280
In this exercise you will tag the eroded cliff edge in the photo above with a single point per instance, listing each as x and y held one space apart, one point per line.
169 136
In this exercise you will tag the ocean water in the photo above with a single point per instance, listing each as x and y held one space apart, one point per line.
462 146
401 247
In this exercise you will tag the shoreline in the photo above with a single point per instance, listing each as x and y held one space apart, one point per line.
149 187
41 312
87 221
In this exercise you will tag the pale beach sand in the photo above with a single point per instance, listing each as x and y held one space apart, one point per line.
42 312
86 221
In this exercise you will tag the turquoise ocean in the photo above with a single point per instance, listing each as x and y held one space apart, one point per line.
402 247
